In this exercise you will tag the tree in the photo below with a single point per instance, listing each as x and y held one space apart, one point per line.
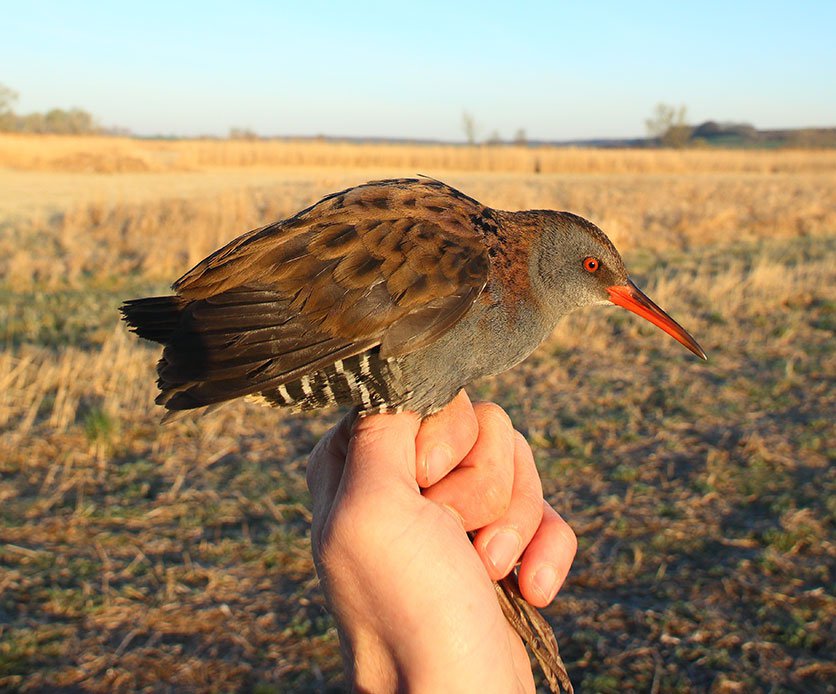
8 97
470 127
75 121
668 125
242 134
520 137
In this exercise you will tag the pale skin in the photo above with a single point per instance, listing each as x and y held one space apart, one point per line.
393 500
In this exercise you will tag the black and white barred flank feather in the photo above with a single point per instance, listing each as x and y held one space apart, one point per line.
362 380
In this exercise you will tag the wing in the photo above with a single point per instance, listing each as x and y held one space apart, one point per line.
390 263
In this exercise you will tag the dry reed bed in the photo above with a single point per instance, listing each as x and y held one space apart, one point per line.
154 554
107 242
119 155
116 378
139 557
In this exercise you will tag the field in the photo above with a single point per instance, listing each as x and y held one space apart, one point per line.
141 557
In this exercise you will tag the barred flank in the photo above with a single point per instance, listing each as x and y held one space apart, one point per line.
362 380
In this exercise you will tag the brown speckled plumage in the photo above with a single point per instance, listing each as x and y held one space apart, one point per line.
390 295
384 270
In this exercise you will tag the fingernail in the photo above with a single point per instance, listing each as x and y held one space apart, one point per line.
503 550
545 582
437 463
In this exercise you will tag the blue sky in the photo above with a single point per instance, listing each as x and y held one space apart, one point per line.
560 70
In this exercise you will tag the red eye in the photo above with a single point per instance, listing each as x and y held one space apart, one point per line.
591 264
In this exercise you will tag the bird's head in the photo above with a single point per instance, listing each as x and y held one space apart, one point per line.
575 265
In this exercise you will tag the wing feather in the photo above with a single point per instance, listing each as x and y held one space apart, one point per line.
391 263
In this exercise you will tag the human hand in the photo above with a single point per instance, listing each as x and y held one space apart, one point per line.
411 595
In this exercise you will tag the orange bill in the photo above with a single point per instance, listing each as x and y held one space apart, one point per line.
632 298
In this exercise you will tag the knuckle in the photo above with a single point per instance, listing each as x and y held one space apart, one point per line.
529 483
491 413
369 429
468 427
523 448
369 436
531 496
495 498
379 431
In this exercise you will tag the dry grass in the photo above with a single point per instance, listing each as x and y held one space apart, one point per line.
111 229
125 155
136 557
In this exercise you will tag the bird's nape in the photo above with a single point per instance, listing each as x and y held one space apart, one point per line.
632 298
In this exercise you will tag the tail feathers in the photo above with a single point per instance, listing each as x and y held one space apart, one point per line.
155 318
250 341
187 384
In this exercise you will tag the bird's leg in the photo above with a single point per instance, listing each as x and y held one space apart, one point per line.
535 632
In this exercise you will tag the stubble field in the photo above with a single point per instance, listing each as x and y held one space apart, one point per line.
141 557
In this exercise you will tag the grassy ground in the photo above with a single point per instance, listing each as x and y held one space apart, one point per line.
138 557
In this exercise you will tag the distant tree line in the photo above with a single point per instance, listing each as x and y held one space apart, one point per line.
668 127
74 121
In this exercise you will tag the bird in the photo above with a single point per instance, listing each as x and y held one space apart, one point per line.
392 295
389 296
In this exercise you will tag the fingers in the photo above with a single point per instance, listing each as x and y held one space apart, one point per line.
444 439
547 559
360 462
381 453
495 488
479 488
501 543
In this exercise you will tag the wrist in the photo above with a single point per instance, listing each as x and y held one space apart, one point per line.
373 666
370 664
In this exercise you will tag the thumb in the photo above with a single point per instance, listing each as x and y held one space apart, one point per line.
381 453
